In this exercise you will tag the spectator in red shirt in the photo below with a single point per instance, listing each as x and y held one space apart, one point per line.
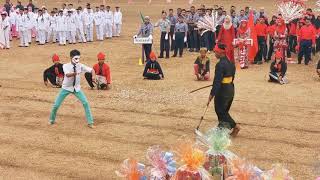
307 40
261 29
270 30
293 35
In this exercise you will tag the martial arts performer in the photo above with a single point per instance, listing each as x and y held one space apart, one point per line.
61 28
54 73
278 69
202 66
71 85
103 74
223 89
117 20
5 25
152 70
108 22
22 28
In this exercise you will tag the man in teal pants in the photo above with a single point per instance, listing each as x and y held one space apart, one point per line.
71 85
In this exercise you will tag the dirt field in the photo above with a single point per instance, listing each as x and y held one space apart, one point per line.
279 123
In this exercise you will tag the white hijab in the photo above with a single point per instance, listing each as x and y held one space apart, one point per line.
2 39
225 25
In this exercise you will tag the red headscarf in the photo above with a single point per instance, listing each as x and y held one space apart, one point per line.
241 29
280 29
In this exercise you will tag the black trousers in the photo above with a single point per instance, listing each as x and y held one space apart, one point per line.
305 50
152 76
222 103
171 33
164 45
270 51
318 44
147 50
52 78
292 43
262 46
194 40
179 36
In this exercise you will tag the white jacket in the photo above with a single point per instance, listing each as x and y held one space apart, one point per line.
41 23
61 23
88 18
117 17
98 18
71 23
109 17
79 18
22 22
53 22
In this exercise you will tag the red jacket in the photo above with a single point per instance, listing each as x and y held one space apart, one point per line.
292 29
271 30
105 71
308 33
261 29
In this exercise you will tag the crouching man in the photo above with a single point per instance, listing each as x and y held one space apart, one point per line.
103 74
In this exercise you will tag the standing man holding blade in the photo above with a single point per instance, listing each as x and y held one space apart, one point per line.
223 90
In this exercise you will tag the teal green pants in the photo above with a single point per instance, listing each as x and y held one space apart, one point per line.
62 95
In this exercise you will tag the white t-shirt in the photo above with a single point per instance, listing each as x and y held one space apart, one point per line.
68 81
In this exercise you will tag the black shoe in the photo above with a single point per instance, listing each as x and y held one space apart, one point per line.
191 50
160 57
174 55
167 57
259 63
299 62
180 55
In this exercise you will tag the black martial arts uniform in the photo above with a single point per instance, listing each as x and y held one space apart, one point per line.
52 73
153 71
223 91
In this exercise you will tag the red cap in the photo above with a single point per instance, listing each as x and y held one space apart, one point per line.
101 56
55 58
153 56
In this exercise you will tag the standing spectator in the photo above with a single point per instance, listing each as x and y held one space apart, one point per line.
164 25
307 35
31 5
173 20
261 29
19 5
7 6
242 16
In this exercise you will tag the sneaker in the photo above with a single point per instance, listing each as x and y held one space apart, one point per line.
91 126
51 123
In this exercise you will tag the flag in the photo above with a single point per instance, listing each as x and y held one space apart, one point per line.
142 17
254 48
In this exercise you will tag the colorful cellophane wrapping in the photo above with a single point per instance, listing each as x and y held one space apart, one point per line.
216 165
163 164
278 172
291 9
192 159
130 169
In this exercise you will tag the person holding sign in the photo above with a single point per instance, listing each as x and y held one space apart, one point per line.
146 30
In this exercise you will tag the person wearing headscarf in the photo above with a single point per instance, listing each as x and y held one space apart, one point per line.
280 38
103 74
226 37
223 90
54 73
202 66
242 42
152 70
278 69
